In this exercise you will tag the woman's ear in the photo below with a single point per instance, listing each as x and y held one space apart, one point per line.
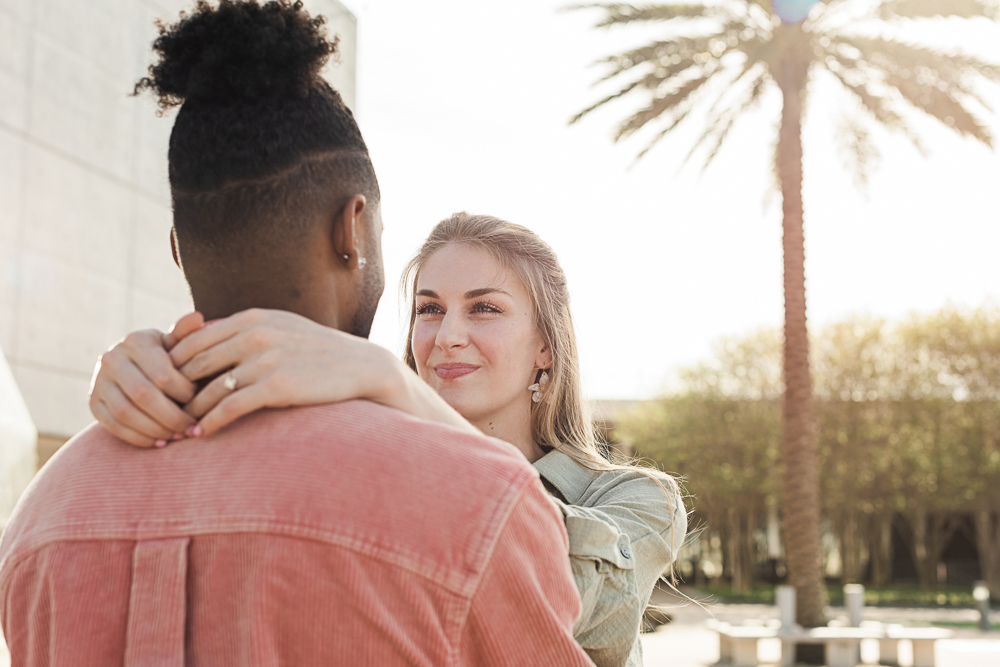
544 357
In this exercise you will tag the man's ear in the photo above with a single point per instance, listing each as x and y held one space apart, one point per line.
173 248
345 231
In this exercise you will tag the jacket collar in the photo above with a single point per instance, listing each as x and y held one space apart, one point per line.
569 477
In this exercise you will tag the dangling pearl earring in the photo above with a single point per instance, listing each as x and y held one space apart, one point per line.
538 389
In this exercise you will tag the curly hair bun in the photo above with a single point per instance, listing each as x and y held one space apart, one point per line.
240 51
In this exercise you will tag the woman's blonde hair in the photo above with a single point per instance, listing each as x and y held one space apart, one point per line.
562 419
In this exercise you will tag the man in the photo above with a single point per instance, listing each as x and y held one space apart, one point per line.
344 534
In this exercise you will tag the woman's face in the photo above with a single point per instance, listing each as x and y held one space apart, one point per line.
474 338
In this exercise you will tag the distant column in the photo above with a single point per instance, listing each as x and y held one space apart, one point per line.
854 601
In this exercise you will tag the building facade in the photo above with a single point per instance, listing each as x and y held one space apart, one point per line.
84 200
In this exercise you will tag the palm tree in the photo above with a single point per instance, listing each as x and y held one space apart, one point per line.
723 56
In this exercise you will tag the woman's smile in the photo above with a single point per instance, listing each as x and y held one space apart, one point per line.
454 371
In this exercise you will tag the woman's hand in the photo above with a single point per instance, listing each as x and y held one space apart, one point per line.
280 359
136 388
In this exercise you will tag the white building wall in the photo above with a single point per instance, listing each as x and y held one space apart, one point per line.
84 200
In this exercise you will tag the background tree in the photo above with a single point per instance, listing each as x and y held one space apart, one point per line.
733 52
723 433
909 441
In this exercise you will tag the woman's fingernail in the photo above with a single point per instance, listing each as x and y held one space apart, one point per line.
178 436
196 431
190 430
161 443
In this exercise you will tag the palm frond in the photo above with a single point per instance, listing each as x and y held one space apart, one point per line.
600 103
720 125
878 106
756 52
884 74
622 13
662 104
678 49
760 14
682 111
670 52
766 5
920 9
942 105
685 109
929 80
902 55
675 63
860 152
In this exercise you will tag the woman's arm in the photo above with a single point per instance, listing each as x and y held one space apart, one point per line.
278 359
624 532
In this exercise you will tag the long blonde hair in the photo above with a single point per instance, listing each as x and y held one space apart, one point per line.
562 419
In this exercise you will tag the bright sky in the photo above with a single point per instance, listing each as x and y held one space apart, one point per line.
464 105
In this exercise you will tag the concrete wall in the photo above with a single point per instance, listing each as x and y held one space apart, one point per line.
84 199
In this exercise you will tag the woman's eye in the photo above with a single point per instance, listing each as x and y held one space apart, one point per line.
428 309
485 307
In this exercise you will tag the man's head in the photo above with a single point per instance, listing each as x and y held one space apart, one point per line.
276 203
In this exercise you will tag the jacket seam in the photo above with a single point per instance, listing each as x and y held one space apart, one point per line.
398 558
489 539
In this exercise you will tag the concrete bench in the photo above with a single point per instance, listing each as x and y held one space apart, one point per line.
842 644
923 640
738 643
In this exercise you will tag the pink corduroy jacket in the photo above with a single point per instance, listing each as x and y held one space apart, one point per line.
346 534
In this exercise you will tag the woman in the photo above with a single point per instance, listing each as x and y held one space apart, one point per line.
492 343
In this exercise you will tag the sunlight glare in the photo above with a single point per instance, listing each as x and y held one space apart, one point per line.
793 11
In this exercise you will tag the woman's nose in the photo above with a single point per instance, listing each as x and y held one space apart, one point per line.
452 334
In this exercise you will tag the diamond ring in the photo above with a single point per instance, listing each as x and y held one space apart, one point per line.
230 381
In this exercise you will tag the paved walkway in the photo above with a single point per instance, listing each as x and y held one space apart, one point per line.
686 642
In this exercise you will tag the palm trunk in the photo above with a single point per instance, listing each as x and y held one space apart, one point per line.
799 450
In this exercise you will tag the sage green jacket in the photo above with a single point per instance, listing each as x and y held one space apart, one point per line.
624 532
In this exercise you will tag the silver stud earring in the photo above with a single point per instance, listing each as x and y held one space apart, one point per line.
538 389
362 262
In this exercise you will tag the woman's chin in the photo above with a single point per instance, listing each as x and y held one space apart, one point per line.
458 399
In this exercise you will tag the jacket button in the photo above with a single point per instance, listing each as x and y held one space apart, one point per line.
626 552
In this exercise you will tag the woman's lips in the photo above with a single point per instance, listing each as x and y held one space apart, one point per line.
453 371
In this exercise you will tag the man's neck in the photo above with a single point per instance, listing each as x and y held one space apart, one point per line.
219 302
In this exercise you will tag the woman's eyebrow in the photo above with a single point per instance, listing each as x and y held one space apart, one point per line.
471 294
483 291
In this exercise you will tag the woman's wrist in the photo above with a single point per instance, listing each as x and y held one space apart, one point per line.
390 382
